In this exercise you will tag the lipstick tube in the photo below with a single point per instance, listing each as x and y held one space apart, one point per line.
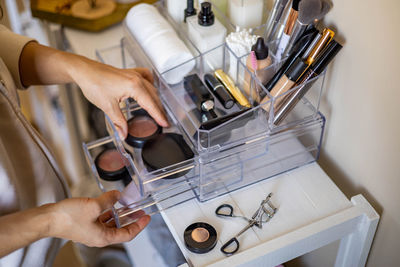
219 91
290 101
231 87
199 93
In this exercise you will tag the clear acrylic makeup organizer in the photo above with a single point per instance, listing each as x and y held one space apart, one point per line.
237 153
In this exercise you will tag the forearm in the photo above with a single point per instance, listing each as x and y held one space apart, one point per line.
19 229
42 65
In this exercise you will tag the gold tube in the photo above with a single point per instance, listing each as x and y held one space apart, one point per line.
231 87
327 36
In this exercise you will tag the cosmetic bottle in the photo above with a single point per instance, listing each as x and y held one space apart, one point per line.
190 10
290 101
206 32
263 60
176 9
246 13
285 83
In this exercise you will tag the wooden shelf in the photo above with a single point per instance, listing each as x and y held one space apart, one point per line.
54 11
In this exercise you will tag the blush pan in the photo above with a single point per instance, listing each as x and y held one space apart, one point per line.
111 167
141 127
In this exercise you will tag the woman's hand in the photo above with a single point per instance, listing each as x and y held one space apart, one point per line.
103 85
83 220
106 87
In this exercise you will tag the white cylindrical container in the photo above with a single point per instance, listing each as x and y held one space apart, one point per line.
160 42
246 13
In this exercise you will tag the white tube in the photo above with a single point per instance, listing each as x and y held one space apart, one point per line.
160 42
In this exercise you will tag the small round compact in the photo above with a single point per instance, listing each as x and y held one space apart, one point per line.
110 166
141 127
200 237
164 150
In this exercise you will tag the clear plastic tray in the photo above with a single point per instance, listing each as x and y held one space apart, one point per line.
211 174
241 151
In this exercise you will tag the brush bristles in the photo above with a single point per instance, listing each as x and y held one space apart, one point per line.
326 6
309 10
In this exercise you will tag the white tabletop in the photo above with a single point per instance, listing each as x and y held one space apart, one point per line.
302 196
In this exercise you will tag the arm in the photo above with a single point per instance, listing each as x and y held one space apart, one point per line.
77 219
103 85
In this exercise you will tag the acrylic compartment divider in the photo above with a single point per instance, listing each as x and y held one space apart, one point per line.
234 154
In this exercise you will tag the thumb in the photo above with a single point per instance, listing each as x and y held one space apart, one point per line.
119 120
107 200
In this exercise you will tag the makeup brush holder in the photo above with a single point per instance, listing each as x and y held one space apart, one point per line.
233 154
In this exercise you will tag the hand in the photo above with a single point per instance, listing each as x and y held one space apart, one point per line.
103 85
83 220
106 86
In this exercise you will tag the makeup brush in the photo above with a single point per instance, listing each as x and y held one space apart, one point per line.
273 18
309 11
298 50
291 19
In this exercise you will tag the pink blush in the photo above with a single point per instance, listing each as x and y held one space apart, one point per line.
110 161
142 126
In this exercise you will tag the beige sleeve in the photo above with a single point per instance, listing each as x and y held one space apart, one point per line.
11 46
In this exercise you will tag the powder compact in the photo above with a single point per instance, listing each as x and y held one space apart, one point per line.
110 166
200 237
164 150
141 127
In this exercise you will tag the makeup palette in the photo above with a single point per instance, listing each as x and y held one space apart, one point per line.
200 237
141 127
110 166
164 150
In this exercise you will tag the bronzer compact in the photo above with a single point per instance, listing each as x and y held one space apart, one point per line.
200 237
110 166
165 150
141 127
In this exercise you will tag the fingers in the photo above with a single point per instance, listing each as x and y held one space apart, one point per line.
153 93
146 101
107 200
106 216
118 119
146 95
127 233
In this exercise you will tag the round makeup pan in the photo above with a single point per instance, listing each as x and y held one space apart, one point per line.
110 166
200 237
164 150
141 127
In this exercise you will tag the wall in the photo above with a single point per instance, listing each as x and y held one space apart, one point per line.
362 104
